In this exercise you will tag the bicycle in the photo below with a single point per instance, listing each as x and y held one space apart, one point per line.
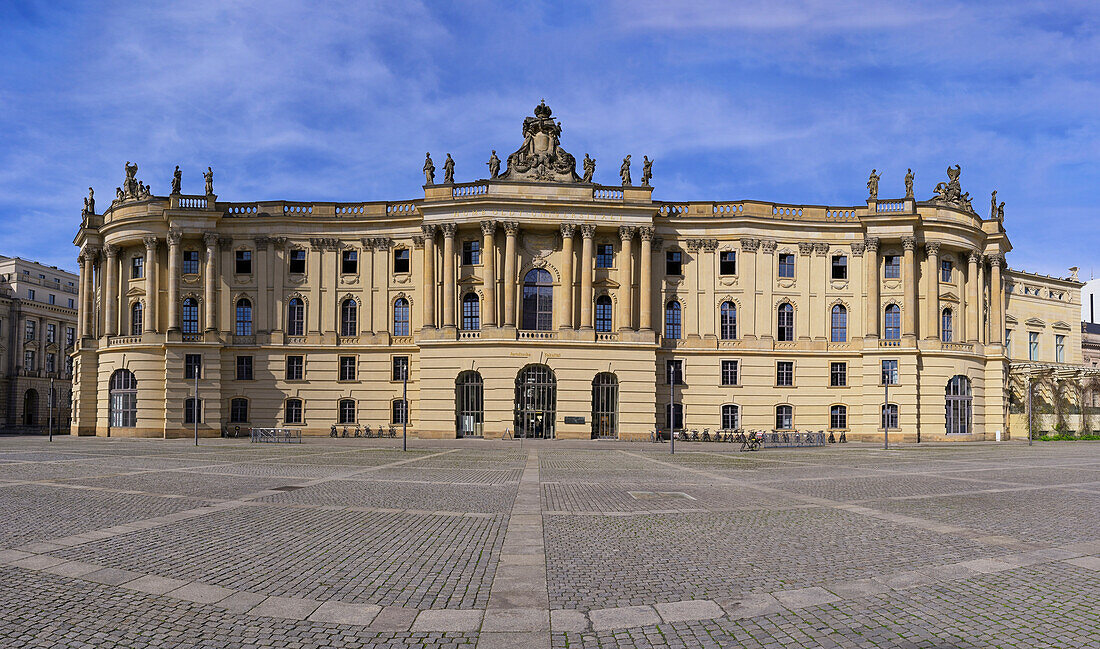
392 431
332 431
706 435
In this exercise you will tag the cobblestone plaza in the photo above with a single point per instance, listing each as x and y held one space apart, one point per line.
491 543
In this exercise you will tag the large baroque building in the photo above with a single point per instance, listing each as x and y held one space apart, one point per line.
538 303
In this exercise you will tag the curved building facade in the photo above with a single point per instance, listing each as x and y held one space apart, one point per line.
538 303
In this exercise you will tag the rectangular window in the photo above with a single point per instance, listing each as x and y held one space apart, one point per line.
400 368
729 372
838 375
51 298
945 270
70 336
51 333
238 411
30 293
727 262
784 374
349 262
71 304
1033 345
401 260
838 417
190 262
674 372
243 262
295 368
890 416
31 331
244 368
471 252
605 255
400 411
840 267
1060 349
889 372
786 265
51 362
28 360
674 262
784 418
347 368
192 410
293 411
192 366
137 267
297 262
893 266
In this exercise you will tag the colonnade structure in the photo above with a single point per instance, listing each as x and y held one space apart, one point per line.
537 302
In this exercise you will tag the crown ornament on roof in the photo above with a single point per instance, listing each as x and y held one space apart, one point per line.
540 157
951 191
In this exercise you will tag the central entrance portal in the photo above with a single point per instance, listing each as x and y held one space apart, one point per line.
536 401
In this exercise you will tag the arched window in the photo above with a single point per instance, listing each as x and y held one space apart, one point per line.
469 404
190 315
293 411
137 312
238 410
840 324
838 417
192 410
605 406
471 312
890 416
538 300
672 320
727 314
946 326
399 411
401 317
785 321
244 317
603 314
784 418
296 317
535 401
122 399
346 411
731 417
349 317
892 322
960 411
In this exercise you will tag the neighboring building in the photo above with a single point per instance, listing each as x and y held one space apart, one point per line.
37 337
541 304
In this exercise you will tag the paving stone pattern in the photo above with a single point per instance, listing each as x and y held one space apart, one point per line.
464 543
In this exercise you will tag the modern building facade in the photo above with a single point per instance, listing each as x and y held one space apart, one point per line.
536 302
37 339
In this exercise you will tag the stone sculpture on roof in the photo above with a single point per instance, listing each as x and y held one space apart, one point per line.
872 184
541 157
951 191
448 171
494 165
89 204
177 179
209 178
909 184
429 169
589 168
624 171
647 171
132 189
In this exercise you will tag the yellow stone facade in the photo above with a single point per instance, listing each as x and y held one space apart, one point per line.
576 280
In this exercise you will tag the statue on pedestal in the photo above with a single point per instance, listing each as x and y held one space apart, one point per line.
872 184
909 184
624 171
647 171
209 178
494 165
429 169
589 168
993 205
89 204
951 192
448 171
177 179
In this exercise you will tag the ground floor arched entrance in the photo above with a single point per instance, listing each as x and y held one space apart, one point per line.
535 402
605 406
30 408
469 404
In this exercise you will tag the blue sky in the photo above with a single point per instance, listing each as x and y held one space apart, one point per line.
785 101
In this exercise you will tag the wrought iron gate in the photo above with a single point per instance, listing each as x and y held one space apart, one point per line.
605 406
469 404
536 402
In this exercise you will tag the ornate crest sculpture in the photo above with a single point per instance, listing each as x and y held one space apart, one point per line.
540 157
132 189
951 191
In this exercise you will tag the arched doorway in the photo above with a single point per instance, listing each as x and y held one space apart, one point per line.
605 406
469 404
960 412
536 402
122 400
30 408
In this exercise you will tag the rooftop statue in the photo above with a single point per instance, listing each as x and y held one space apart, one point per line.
209 178
429 169
448 171
1001 211
541 157
494 165
177 178
89 204
993 205
132 189
872 184
909 184
624 171
589 168
647 171
951 191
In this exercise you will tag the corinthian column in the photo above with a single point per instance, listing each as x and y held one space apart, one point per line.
996 295
150 322
209 300
511 229
565 311
909 313
449 281
626 277
870 258
973 304
588 231
85 293
932 315
645 279
489 286
174 238
429 276
110 295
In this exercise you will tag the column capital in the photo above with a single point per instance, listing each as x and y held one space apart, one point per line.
428 230
488 227
210 239
382 243
567 230
871 243
111 250
996 259
174 237
710 244
768 245
821 249
626 232
973 256
909 243
588 231
262 242
150 242
448 230
932 247
805 248
511 228
645 233
278 242
693 245
225 243
748 244
857 248
418 241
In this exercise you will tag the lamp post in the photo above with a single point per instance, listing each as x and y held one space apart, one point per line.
1030 413
886 413
49 407
405 405
195 406
672 407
